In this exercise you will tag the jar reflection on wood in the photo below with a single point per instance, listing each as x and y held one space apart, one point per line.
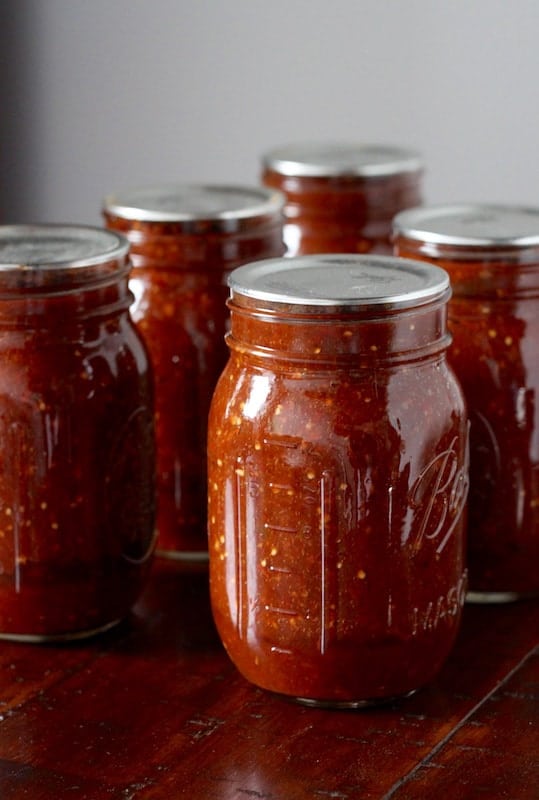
492 256
78 452
184 241
341 198
337 479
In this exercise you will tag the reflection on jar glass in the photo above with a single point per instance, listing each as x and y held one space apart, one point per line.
342 197
337 463
492 256
76 415
184 241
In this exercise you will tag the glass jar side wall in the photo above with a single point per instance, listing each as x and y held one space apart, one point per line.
336 503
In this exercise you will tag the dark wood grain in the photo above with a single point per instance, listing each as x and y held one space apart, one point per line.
494 753
154 709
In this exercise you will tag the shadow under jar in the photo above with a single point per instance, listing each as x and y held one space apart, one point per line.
492 256
337 479
341 198
76 419
185 239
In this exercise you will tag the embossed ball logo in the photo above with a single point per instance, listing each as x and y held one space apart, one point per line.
438 495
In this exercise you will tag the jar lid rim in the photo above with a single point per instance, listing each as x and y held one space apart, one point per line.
193 202
332 159
56 246
344 281
470 225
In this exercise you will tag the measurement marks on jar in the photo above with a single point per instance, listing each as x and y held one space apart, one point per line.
241 533
285 548
279 536
249 532
14 438
326 601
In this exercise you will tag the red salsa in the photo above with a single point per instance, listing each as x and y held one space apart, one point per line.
337 479
76 419
492 256
341 198
184 242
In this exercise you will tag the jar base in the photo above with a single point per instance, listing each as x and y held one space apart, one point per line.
494 597
189 556
57 638
343 705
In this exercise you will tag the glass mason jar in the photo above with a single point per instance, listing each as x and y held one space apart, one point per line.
341 198
337 479
492 256
76 418
184 241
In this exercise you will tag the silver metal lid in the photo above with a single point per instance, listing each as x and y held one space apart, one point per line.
329 159
58 246
471 225
351 281
192 202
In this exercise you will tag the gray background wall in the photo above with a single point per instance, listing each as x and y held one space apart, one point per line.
101 94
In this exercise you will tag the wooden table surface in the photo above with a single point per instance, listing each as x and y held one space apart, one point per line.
154 709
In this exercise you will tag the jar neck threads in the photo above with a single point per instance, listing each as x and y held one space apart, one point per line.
169 246
332 339
490 273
